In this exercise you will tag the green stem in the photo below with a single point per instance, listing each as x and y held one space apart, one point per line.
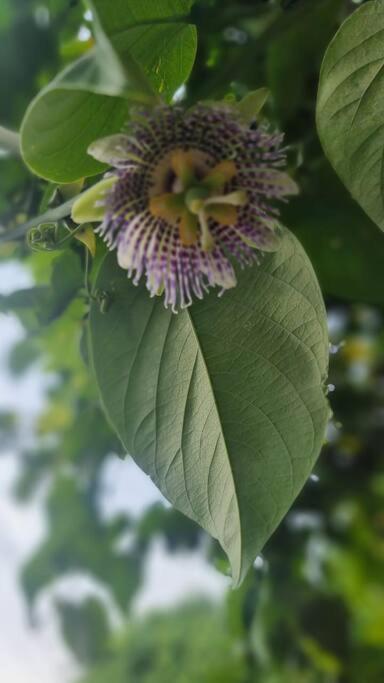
87 284
9 141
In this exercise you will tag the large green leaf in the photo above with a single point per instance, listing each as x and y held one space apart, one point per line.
156 33
59 126
103 71
223 405
350 110
152 48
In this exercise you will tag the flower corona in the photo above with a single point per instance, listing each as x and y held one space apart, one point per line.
191 192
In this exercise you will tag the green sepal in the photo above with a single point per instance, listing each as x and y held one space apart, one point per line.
110 149
252 104
89 207
271 243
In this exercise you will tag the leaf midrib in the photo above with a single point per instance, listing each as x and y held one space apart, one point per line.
196 337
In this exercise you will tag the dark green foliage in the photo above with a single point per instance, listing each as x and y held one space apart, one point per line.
345 247
78 541
178 531
191 645
8 429
85 629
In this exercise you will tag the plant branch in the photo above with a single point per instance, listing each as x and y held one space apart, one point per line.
9 141
50 216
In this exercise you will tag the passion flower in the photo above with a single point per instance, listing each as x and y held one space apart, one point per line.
191 193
